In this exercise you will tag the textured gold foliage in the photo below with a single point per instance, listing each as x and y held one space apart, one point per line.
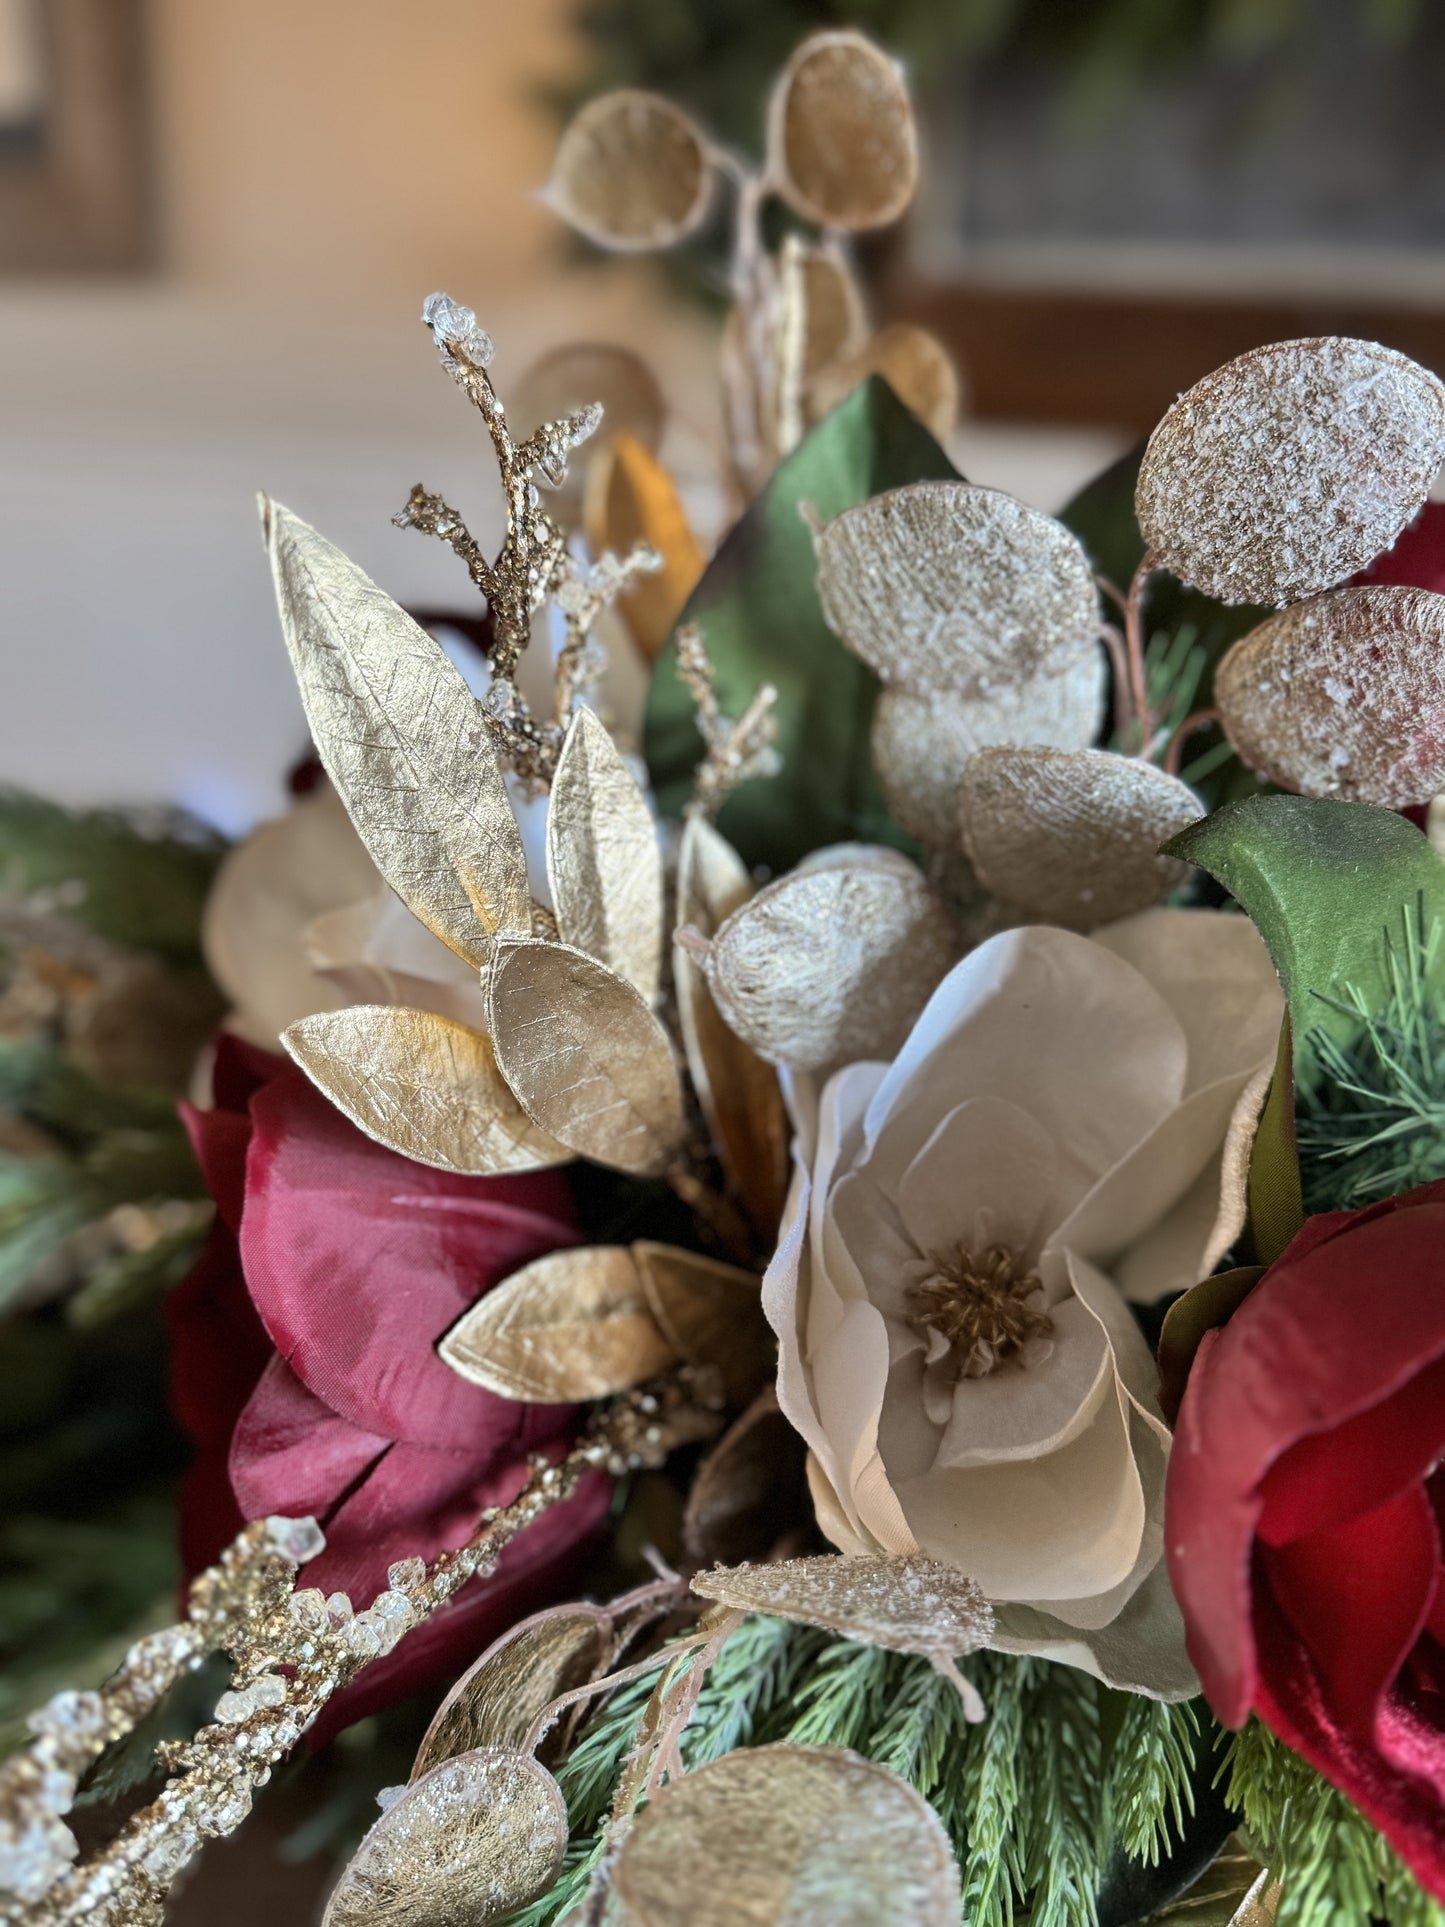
710 1314
603 862
916 366
909 1605
1287 470
403 740
632 172
424 1086
565 381
480 1835
587 1059
842 147
831 963
1343 696
772 1835
1073 836
631 498
569 1326
835 325
499 1697
944 587
750 1490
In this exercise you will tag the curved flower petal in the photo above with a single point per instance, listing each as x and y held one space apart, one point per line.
1141 1650
1022 1412
984 1175
376 952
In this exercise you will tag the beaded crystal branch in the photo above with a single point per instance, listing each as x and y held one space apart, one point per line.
293 1651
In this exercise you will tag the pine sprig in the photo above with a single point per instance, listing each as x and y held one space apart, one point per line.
1150 1786
1058 1819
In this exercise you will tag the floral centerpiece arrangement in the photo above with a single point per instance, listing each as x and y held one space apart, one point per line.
817 1216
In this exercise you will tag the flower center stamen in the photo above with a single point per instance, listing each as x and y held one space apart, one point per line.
984 1304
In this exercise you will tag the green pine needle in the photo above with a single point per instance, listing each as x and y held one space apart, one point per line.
1150 1791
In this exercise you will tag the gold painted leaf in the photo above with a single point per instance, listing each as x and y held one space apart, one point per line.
630 499
921 744
603 860
497 1699
632 172
769 1836
750 1491
832 963
569 1326
1343 696
739 1094
711 1314
424 1086
481 1835
403 740
587 1059
916 366
943 586
906 1604
1233 1891
842 146
1287 470
1073 836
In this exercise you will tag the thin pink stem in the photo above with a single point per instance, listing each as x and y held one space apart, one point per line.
1174 755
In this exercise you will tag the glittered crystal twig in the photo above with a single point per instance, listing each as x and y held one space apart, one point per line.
735 751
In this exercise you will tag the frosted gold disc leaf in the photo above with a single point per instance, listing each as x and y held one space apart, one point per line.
424 1086
568 379
1343 696
586 1057
842 147
835 325
480 1835
831 964
789 1836
942 586
921 743
404 741
711 1314
750 1489
573 1325
1287 470
916 366
497 1699
738 1093
632 172
1073 836
909 1605
603 861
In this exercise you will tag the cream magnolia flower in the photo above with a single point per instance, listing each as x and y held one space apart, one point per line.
964 1227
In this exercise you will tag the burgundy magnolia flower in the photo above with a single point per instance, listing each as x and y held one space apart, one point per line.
1417 560
304 1364
1305 1506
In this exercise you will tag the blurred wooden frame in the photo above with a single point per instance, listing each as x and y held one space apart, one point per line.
77 197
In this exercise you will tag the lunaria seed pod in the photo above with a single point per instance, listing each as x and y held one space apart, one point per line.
842 148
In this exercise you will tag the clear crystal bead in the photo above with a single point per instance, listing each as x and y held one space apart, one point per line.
268 1690
224 1810
407 1574
169 1854
338 1608
295 1539
363 1636
388 1796
232 1708
308 1609
70 1716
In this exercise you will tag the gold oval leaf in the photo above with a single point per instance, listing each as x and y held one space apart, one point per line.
1073 836
916 366
404 741
842 146
751 1490
585 1056
1343 696
631 498
835 324
770 1835
424 1086
738 1093
1287 470
632 172
570 1326
568 379
906 1604
497 1700
831 964
480 1835
603 861
922 743
942 586
711 1314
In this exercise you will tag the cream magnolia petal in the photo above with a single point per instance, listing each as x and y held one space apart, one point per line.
785 1294
986 1156
833 1522
1140 1651
1026 1411
1134 1360
836 1277
1150 1441
850 1377
369 983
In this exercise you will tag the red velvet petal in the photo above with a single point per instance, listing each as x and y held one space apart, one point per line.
359 1260
219 1347
1417 560
220 1141
291 1454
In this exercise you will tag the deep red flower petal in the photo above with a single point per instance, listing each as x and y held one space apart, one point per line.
219 1347
292 1454
1417 560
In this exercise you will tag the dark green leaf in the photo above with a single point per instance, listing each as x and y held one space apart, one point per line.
1275 1191
1203 1308
758 609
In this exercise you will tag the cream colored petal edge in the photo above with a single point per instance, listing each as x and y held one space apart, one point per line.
1140 1651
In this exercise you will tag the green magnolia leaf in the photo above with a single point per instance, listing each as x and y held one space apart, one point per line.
758 609
1274 1189
1203 1308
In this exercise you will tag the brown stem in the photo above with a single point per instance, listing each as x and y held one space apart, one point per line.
1174 755
1134 647
1113 638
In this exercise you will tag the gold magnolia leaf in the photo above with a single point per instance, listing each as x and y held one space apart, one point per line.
603 860
906 1604
1287 470
921 744
404 741
1233 1891
632 172
738 1093
569 1326
914 363
842 146
631 499
479 1836
770 1835
424 1086
711 1314
587 1059
832 963
499 1697
750 1491
568 379
1343 696
1073 836
942 586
